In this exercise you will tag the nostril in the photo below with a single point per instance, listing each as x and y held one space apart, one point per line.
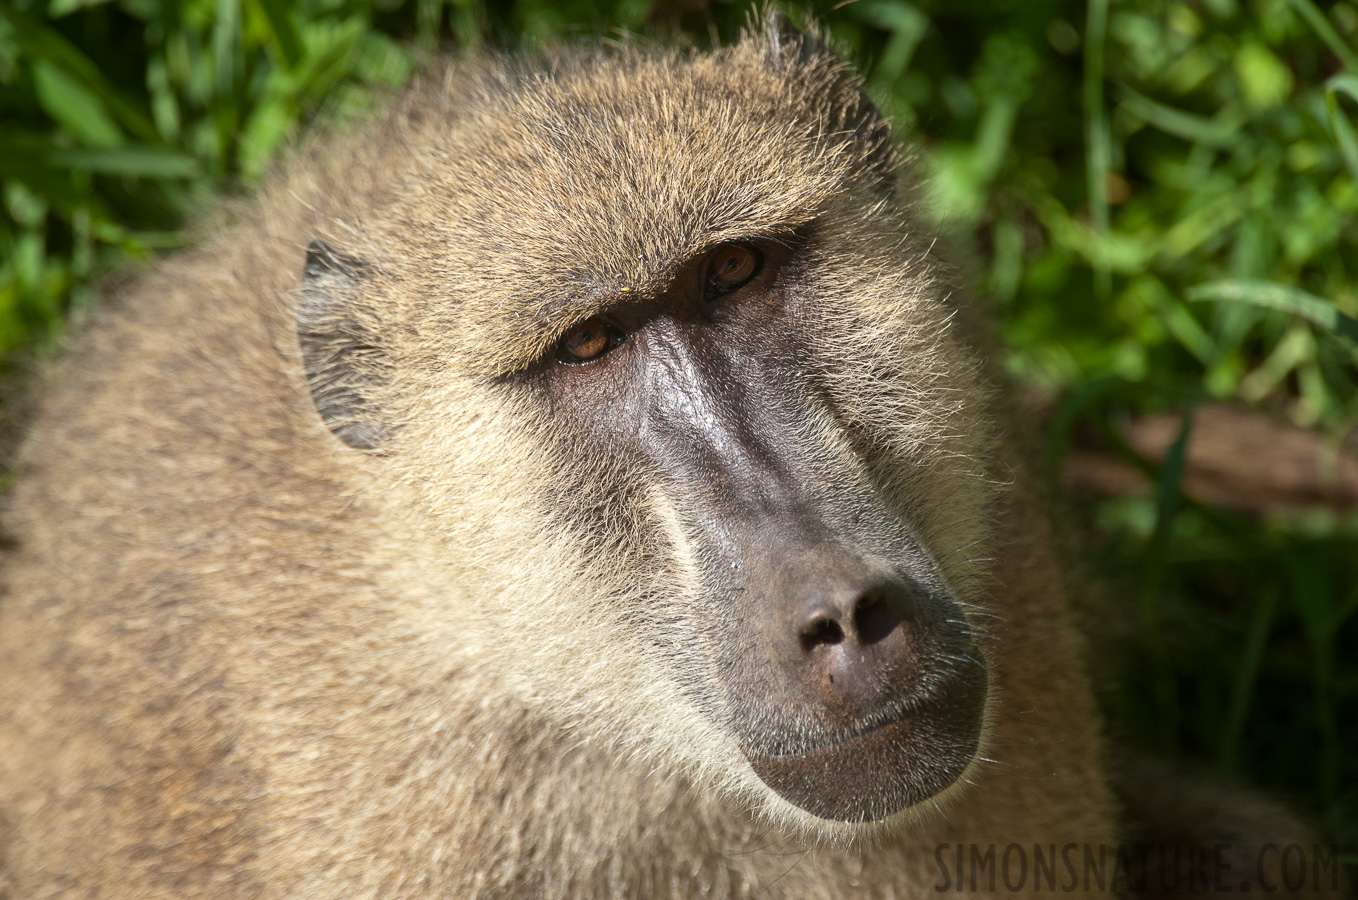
821 631
875 615
861 615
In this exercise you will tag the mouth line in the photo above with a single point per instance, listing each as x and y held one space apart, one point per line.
892 714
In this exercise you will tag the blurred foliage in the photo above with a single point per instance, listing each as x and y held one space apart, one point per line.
1161 195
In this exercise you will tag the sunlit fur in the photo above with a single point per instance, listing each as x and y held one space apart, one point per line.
239 658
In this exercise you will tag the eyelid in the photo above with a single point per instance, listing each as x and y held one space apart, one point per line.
614 338
711 291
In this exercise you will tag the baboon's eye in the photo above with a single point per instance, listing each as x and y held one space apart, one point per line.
729 267
588 341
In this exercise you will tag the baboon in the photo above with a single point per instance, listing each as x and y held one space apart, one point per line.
586 482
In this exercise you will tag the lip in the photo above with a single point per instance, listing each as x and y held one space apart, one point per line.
911 752
935 691
884 718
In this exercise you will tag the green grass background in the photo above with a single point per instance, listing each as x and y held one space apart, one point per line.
1161 195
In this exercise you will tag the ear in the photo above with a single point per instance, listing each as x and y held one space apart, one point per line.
804 54
344 363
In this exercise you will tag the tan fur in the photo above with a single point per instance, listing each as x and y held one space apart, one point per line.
239 658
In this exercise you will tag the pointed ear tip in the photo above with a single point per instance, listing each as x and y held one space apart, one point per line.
318 258
321 260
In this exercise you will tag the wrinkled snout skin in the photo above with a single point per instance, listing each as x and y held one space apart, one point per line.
843 666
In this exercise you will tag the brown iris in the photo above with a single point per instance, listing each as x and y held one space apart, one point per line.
587 341
729 267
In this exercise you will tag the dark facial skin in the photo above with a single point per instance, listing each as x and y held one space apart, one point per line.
842 664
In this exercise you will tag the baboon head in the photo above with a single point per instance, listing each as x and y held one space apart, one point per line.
655 375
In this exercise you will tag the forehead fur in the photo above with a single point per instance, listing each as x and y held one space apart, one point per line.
515 199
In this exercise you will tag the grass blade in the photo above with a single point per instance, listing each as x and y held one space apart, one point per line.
1316 310
134 160
1325 31
45 43
1343 131
274 19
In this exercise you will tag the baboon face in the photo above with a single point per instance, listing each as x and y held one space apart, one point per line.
663 369
826 632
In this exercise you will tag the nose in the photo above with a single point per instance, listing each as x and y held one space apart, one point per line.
853 641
